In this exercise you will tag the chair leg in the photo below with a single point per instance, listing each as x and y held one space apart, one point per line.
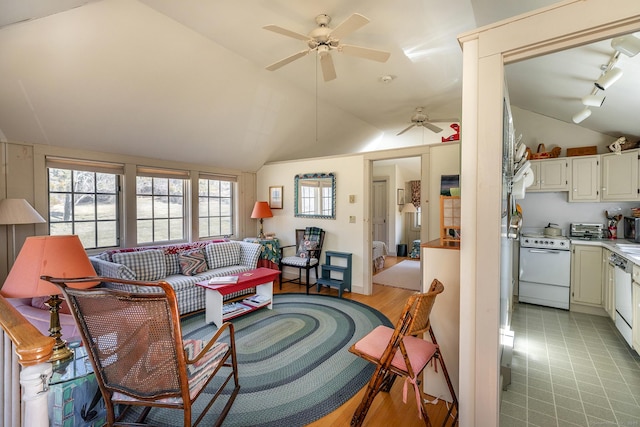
373 387
438 355
307 283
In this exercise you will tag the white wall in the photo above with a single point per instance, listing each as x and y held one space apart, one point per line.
341 235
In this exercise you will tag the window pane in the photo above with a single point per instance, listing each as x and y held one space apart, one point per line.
226 226
107 230
203 207
144 185
214 206
84 207
75 206
203 226
225 189
203 187
161 213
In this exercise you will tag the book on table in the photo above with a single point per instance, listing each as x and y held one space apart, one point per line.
233 308
257 300
223 280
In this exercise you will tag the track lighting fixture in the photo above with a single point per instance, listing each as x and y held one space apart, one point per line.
608 78
593 100
582 115
629 45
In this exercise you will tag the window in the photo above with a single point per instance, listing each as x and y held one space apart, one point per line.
160 205
83 200
215 206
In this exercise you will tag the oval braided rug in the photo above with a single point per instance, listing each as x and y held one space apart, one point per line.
293 361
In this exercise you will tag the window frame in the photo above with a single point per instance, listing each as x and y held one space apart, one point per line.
232 180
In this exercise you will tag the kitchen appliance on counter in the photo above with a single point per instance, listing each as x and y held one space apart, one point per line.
545 270
586 231
623 295
631 225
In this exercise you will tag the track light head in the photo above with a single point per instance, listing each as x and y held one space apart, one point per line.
582 115
629 45
608 78
593 100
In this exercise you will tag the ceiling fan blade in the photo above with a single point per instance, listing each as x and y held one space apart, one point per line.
432 128
328 70
364 52
287 60
286 32
348 26
405 129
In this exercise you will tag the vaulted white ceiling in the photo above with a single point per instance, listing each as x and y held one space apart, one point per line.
186 80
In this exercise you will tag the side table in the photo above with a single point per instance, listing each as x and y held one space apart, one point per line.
270 255
74 395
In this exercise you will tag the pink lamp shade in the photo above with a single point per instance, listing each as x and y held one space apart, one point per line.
261 210
56 256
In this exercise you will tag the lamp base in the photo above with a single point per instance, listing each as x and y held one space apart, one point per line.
261 234
61 353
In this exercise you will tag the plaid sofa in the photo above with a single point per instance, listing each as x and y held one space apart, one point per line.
181 265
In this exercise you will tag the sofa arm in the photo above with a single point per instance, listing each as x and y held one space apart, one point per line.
111 269
249 254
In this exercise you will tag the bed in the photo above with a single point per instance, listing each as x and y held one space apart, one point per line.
415 249
379 254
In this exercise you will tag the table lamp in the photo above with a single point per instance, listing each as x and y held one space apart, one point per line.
261 210
56 256
409 208
17 211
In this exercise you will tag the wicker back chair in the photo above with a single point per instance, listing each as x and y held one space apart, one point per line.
401 351
134 342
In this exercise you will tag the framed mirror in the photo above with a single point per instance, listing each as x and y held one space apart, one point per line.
315 195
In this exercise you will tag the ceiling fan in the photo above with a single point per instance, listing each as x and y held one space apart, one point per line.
324 39
419 118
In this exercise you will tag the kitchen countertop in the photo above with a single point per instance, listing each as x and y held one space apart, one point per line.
623 247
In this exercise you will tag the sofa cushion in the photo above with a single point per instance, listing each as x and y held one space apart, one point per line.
223 254
146 265
192 262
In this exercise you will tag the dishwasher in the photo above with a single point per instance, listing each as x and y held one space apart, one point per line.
623 295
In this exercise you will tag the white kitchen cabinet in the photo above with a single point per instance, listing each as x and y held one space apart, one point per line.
550 175
619 176
586 275
585 179
635 327
608 291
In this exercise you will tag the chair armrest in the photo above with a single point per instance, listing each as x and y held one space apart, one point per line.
212 342
282 248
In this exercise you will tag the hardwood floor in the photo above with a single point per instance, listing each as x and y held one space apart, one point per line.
387 408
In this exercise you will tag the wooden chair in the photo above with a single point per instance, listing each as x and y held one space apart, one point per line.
308 249
401 351
135 344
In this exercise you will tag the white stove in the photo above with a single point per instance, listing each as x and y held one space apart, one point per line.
535 240
545 266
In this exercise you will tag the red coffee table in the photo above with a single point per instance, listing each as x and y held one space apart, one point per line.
260 278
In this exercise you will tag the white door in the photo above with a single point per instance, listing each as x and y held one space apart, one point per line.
379 211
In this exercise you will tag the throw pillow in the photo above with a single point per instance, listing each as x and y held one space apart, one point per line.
147 265
305 246
192 262
223 254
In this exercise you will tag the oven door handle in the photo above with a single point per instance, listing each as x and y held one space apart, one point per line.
544 251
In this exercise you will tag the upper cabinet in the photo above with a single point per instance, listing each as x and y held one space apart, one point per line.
550 175
585 179
620 176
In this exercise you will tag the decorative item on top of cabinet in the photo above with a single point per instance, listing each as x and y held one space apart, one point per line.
550 175
449 219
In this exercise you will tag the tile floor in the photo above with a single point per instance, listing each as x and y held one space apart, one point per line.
570 369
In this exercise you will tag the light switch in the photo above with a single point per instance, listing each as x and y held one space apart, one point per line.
352 219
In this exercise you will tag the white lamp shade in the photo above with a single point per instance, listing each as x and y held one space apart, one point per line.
629 45
409 208
608 78
18 211
582 115
593 100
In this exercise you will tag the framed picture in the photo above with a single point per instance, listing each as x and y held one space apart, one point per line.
401 196
275 197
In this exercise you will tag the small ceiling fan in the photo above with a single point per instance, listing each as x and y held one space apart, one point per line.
324 39
419 118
